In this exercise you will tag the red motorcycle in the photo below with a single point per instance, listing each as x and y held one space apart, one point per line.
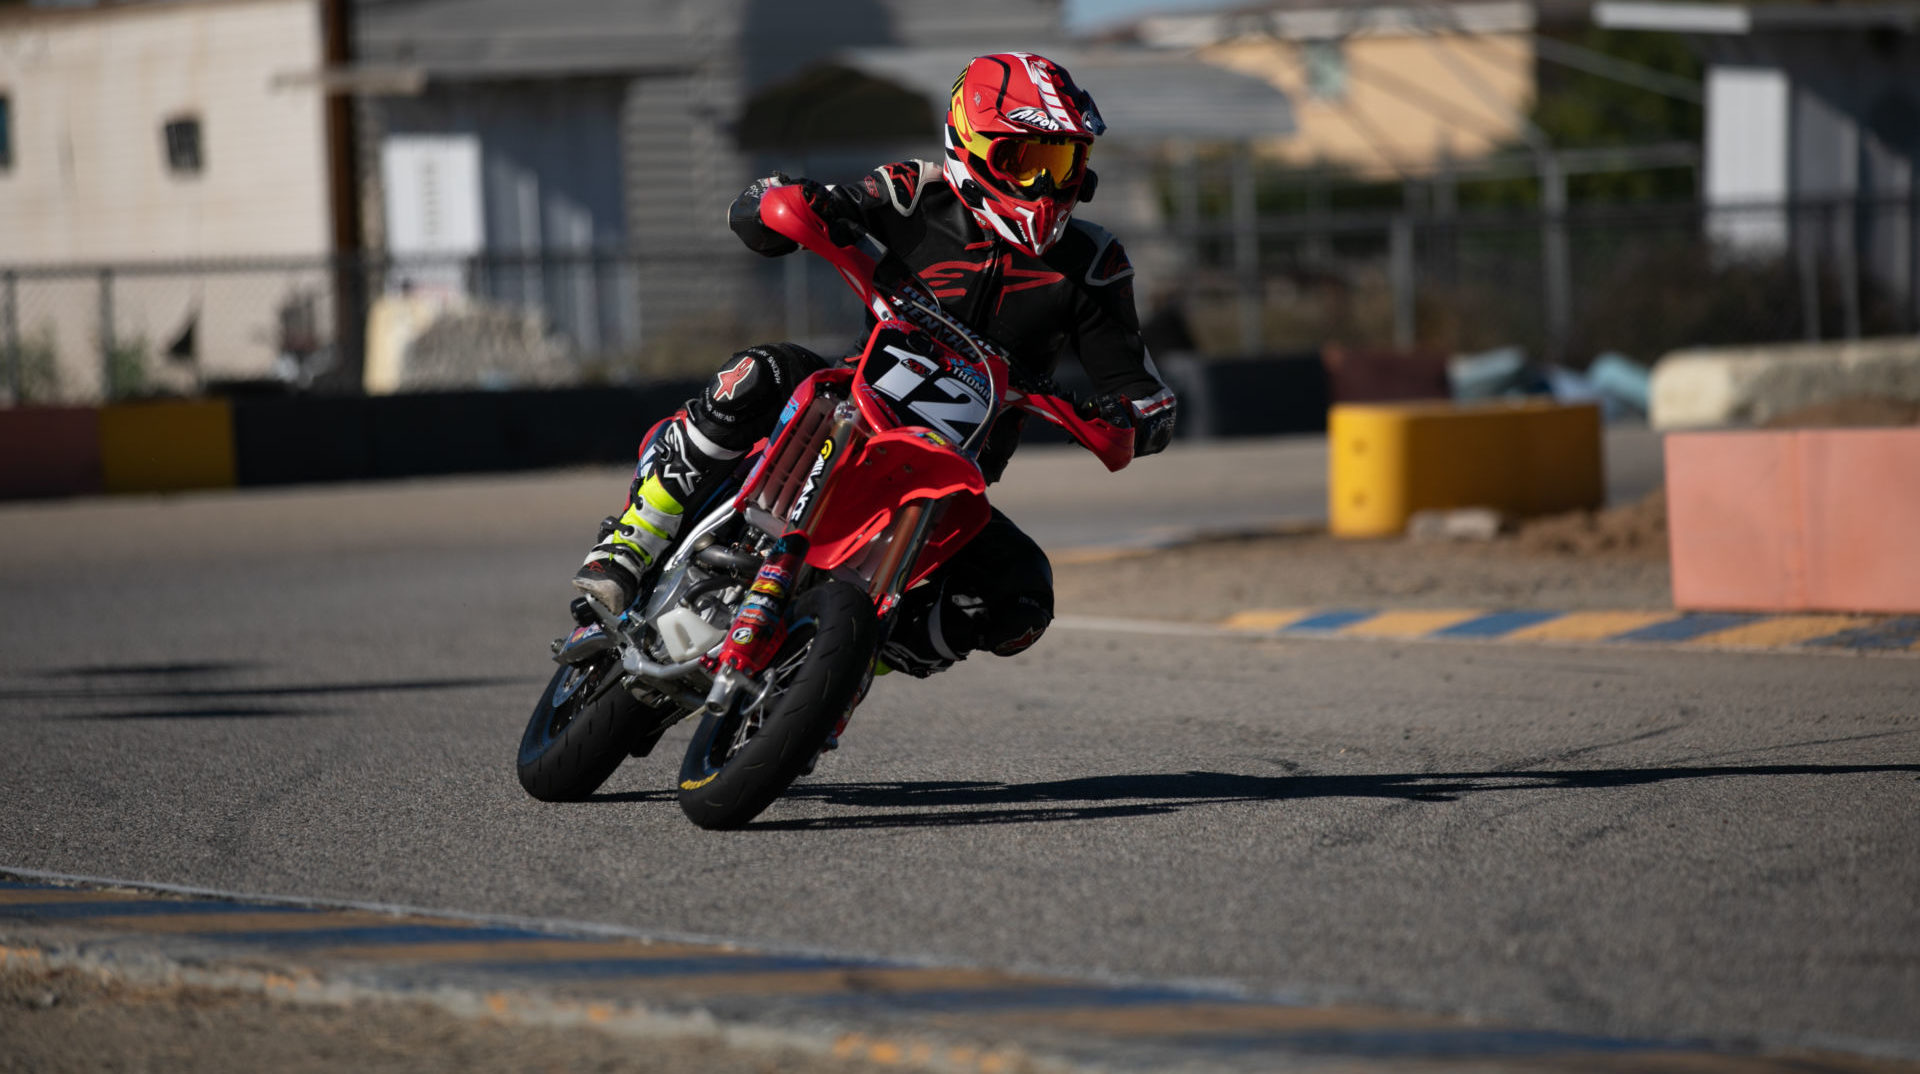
767 618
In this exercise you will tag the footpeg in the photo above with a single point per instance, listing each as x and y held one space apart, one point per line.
584 643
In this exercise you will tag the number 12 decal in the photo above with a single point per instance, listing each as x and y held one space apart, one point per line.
913 382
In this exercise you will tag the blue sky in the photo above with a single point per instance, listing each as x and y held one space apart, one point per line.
1090 14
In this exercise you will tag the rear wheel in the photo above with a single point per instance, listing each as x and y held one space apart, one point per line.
739 763
583 727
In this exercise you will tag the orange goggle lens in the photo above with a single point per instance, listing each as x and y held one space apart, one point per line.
1022 161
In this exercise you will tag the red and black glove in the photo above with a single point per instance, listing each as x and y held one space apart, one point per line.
1151 419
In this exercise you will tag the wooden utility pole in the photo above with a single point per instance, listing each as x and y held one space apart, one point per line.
343 200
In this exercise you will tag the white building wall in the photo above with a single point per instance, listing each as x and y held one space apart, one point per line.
90 92
1747 156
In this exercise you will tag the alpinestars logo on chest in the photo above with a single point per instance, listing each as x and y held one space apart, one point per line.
944 278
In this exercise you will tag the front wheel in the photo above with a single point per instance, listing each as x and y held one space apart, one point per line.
737 764
582 728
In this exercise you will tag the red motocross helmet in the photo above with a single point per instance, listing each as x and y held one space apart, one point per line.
1018 135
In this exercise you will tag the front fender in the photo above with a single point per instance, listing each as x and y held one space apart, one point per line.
895 468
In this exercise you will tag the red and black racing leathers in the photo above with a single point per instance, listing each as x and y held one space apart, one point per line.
1076 297
997 593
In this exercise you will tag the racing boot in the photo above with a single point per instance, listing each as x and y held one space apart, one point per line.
638 539
681 467
686 462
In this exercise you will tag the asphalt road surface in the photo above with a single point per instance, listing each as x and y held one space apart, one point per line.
319 692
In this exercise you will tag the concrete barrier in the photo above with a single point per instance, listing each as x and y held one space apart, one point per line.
49 451
1718 386
1387 462
166 446
1800 520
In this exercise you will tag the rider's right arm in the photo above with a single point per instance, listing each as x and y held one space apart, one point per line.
743 216
887 195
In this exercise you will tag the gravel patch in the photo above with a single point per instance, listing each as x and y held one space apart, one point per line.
55 1020
1583 562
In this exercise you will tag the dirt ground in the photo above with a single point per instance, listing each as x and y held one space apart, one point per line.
1613 559
54 1021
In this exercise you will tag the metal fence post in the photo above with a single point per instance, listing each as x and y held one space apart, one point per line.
1246 248
10 333
1805 231
1553 248
1845 220
1400 268
1186 201
108 381
1910 229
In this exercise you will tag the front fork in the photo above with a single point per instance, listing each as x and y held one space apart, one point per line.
760 624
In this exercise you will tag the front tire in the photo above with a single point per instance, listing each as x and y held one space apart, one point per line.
734 771
583 727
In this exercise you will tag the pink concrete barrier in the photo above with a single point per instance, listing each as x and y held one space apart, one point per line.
49 451
1801 520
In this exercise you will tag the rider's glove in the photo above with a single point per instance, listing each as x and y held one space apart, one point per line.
1110 407
1153 422
1151 419
743 216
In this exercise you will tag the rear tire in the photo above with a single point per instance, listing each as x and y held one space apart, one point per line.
831 638
583 727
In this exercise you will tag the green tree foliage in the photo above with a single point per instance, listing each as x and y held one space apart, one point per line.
1577 109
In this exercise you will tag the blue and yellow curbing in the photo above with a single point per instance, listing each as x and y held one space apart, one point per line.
1691 630
927 1017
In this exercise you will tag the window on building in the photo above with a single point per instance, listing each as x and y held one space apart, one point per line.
1326 65
183 146
6 132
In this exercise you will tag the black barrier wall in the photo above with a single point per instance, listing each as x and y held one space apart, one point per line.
1267 395
283 440
298 439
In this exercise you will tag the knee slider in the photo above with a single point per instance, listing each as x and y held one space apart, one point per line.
740 403
1017 625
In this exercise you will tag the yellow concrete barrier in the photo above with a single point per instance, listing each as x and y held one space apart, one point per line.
167 446
1387 461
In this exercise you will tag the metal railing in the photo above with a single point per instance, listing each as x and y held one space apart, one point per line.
1638 279
1641 280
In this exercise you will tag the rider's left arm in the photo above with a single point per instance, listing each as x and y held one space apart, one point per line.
1107 337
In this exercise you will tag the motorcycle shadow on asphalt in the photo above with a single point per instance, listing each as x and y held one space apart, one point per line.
200 690
937 804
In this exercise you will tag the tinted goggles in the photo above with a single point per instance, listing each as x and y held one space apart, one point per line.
1022 161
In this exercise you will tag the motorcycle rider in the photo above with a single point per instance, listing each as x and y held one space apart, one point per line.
991 235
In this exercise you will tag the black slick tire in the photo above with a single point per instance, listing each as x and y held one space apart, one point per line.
580 731
722 787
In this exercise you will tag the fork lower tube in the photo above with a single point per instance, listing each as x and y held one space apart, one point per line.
909 532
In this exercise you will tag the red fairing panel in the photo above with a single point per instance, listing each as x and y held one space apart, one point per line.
895 468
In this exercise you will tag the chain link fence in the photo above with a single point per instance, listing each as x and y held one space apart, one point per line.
1639 280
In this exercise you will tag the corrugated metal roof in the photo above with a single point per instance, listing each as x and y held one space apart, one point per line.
1704 18
1142 93
498 38
509 38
